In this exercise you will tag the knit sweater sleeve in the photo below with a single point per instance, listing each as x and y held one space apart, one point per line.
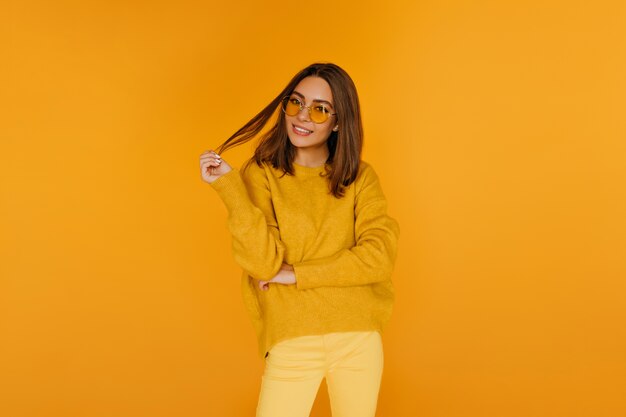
255 236
373 257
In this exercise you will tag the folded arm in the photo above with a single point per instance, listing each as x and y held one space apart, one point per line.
373 257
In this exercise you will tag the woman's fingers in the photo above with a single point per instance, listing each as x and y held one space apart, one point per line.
212 167
265 285
210 162
210 158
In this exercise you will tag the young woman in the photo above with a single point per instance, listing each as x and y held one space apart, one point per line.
311 232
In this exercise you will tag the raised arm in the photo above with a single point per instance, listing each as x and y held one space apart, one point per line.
373 257
256 240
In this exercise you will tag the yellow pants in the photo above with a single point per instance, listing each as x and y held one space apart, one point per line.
351 362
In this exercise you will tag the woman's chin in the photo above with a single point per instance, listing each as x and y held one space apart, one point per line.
303 141
299 141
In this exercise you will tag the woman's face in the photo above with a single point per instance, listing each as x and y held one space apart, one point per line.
311 90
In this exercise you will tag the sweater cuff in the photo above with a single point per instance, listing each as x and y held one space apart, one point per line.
306 275
231 189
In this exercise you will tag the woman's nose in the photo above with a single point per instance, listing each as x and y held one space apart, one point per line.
304 114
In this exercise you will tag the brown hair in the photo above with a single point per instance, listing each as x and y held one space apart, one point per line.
344 145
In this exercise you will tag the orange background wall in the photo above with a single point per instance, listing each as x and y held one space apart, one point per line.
497 129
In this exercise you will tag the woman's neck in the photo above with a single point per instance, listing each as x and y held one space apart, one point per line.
311 160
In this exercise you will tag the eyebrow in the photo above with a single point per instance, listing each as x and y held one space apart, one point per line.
319 101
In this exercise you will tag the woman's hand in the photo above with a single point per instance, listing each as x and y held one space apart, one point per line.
212 166
285 276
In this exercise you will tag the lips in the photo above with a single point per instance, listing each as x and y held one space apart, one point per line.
303 132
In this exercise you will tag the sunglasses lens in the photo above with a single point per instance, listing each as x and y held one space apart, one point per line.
319 113
291 106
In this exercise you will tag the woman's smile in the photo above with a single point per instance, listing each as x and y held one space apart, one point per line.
298 130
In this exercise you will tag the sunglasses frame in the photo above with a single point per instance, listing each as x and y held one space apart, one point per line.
302 106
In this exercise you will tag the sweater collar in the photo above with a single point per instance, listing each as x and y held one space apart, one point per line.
303 170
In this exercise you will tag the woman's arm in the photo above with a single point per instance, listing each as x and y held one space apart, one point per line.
373 257
256 240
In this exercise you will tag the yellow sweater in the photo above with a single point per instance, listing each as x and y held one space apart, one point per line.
343 250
